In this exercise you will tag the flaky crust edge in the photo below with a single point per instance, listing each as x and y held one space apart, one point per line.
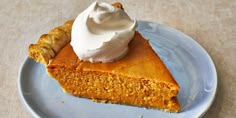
48 45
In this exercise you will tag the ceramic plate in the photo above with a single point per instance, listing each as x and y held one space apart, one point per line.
188 62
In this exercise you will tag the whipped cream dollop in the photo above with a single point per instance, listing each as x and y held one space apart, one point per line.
101 33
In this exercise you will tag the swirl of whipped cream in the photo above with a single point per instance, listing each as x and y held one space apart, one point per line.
101 33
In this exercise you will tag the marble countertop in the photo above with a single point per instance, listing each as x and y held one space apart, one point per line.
212 23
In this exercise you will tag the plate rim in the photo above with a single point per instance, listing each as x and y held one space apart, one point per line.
199 114
25 104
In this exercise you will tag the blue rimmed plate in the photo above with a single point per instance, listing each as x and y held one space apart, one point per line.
188 62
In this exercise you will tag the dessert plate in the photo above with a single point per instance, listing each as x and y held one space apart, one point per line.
188 62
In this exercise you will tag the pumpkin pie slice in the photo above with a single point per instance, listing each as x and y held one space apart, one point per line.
140 78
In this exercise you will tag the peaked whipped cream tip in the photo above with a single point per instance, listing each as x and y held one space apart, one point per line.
101 33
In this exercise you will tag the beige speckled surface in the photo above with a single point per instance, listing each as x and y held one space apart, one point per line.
212 23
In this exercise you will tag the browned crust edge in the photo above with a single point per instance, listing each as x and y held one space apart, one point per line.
50 44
